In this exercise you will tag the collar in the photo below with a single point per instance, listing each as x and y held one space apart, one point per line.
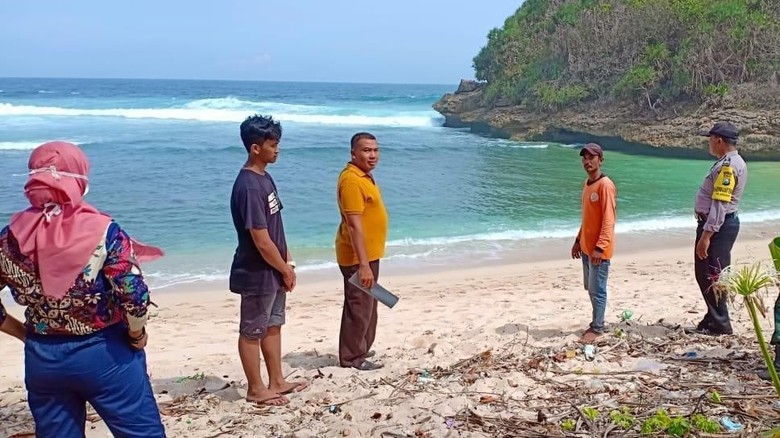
356 170
726 158
590 183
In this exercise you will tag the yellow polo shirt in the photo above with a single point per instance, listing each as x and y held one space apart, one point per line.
358 194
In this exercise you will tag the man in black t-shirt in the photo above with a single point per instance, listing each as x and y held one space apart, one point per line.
263 269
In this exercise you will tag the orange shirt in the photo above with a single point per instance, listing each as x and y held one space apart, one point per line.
358 194
599 210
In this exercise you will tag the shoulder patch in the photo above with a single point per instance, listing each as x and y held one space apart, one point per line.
723 187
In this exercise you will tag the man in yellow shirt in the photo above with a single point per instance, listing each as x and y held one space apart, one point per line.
360 243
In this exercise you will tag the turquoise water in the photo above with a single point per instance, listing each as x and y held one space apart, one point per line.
164 155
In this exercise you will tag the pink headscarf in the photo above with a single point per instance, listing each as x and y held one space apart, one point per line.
59 230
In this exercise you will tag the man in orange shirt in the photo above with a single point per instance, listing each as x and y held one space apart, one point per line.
360 243
596 238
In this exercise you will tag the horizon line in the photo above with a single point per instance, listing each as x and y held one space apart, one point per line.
229 80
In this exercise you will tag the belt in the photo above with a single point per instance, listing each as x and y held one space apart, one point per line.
701 217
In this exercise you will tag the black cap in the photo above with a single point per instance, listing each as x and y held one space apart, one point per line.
723 129
593 149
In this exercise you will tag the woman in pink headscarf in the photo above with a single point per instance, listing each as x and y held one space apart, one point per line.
77 273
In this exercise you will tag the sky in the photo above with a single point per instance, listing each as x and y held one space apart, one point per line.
400 41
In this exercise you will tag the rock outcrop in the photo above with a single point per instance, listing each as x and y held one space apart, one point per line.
628 127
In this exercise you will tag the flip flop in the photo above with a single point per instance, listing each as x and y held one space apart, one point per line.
298 387
369 366
264 402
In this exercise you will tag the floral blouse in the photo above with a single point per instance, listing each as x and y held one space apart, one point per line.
109 290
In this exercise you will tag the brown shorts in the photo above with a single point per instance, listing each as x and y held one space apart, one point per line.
258 312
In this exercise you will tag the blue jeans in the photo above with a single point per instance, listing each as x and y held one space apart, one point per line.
595 280
63 373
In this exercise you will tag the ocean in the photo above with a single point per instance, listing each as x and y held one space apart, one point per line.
164 155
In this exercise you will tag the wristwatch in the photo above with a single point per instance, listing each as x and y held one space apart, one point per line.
291 263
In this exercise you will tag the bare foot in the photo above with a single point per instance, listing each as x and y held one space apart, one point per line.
266 397
288 387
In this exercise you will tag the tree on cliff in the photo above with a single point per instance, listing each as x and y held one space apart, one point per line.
556 53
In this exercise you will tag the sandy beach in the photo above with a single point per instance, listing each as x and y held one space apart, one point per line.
515 309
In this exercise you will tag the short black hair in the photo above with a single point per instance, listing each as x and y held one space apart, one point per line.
256 129
360 136
729 141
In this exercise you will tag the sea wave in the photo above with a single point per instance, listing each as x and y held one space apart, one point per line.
19 145
32 144
487 245
235 110
526 146
630 226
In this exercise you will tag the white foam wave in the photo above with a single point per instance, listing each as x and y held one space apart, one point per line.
403 248
232 103
529 146
32 144
632 226
199 111
19 145
161 280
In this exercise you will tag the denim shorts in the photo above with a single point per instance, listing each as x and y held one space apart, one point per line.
258 312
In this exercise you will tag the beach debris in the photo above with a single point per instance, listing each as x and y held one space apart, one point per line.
643 382
644 386
690 355
488 399
626 315
197 376
377 416
648 365
730 425
595 385
425 377
589 351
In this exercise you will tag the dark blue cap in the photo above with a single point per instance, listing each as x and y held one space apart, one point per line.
723 129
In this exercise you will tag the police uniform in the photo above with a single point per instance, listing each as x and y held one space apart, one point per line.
716 206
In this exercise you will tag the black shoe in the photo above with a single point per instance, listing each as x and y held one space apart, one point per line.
703 324
707 331
764 373
370 354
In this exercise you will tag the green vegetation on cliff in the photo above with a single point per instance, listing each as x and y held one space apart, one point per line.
657 53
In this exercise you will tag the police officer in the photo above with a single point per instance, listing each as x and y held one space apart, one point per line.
716 212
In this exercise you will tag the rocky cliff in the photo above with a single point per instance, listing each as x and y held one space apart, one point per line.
754 111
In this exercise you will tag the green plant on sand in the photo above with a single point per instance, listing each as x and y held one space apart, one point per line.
750 282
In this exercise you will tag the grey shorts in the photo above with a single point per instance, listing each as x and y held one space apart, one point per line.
258 312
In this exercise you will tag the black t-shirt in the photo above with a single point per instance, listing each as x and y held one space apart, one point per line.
255 204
